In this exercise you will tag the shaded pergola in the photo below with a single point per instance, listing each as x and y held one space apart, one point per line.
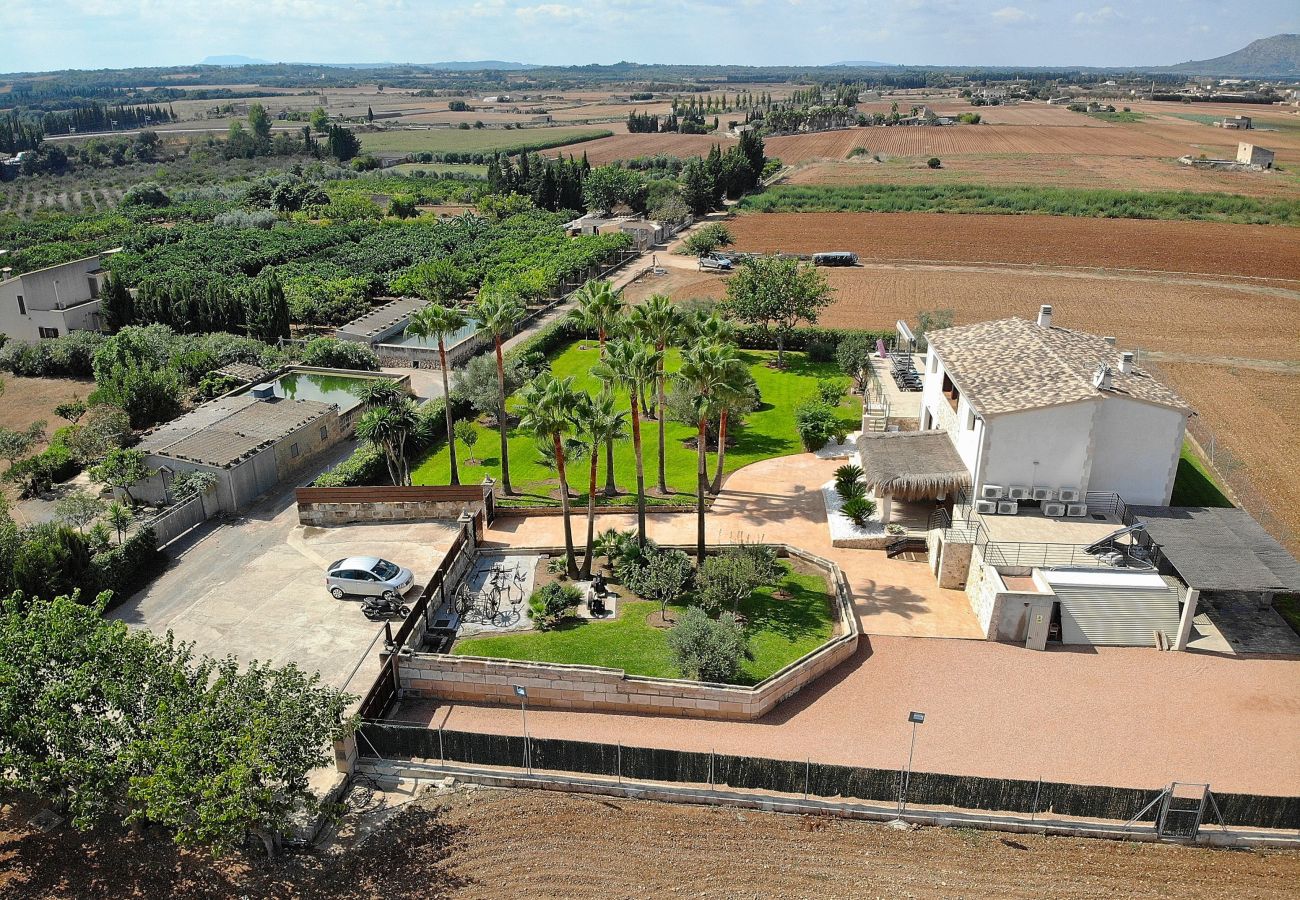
910 466
1214 549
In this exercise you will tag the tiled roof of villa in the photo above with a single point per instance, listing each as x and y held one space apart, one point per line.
1010 365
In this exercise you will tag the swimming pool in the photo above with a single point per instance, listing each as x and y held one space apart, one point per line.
409 340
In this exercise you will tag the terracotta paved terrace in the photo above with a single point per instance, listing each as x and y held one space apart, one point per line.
1118 716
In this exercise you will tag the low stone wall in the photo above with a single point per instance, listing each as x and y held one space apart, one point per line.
326 507
484 680
525 512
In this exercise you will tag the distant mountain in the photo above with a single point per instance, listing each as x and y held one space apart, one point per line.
862 64
1276 56
234 59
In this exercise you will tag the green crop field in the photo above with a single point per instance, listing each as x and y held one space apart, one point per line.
477 140
474 169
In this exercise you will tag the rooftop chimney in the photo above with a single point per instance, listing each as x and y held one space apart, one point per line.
1045 315
1126 362
1110 339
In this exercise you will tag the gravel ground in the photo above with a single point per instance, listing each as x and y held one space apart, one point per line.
493 843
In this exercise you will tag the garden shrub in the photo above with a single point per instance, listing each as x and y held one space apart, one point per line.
708 649
821 348
129 566
817 424
332 353
847 474
831 391
550 603
723 581
851 490
707 239
859 510
663 576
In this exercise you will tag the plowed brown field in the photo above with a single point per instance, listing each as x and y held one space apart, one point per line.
1258 251
542 844
628 146
1254 417
1122 173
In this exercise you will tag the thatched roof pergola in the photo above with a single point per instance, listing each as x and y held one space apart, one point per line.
911 465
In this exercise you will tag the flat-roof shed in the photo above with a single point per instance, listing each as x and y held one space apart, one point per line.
1218 549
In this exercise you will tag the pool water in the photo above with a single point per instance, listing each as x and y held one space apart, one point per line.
338 389
456 337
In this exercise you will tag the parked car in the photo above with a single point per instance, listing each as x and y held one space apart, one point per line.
709 263
367 576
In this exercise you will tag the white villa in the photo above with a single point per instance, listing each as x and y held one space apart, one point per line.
1040 412
1038 481
50 302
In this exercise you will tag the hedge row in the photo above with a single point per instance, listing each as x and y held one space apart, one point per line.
131 565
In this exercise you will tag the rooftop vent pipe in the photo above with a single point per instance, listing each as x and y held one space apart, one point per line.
1110 339
1045 315
1126 362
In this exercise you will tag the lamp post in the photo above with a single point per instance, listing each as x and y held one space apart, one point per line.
522 693
916 718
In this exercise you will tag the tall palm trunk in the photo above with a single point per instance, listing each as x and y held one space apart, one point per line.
446 408
591 510
701 487
570 564
663 415
611 488
722 451
501 418
640 467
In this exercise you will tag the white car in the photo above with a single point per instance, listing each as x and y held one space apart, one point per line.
368 576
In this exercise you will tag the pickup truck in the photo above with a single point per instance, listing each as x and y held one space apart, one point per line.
715 264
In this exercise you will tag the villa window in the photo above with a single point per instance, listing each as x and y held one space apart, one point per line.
293 451
950 391
970 419
324 433
47 332
22 306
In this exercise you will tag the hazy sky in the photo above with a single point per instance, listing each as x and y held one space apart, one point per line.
87 34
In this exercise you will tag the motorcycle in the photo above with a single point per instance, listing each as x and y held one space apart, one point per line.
376 608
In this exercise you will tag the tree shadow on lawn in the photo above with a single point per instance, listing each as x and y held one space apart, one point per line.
794 618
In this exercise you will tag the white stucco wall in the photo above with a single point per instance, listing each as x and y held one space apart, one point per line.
52 298
944 418
1058 438
1136 450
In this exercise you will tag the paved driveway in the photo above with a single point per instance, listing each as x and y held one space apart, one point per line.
255 588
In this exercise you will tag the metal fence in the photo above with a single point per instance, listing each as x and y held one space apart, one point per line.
177 520
390 740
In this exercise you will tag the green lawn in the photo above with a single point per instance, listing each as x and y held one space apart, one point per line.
477 140
1195 484
768 431
474 169
780 631
1118 116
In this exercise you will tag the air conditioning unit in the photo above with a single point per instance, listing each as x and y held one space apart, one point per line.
1018 492
1008 507
1068 495
1054 509
1044 493
986 507
1077 510
991 492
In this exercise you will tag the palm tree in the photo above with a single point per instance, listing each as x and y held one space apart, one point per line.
735 381
380 392
498 315
600 308
601 420
632 364
549 405
440 320
388 428
705 372
660 322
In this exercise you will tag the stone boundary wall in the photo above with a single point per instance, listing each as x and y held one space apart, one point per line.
557 510
327 507
484 680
